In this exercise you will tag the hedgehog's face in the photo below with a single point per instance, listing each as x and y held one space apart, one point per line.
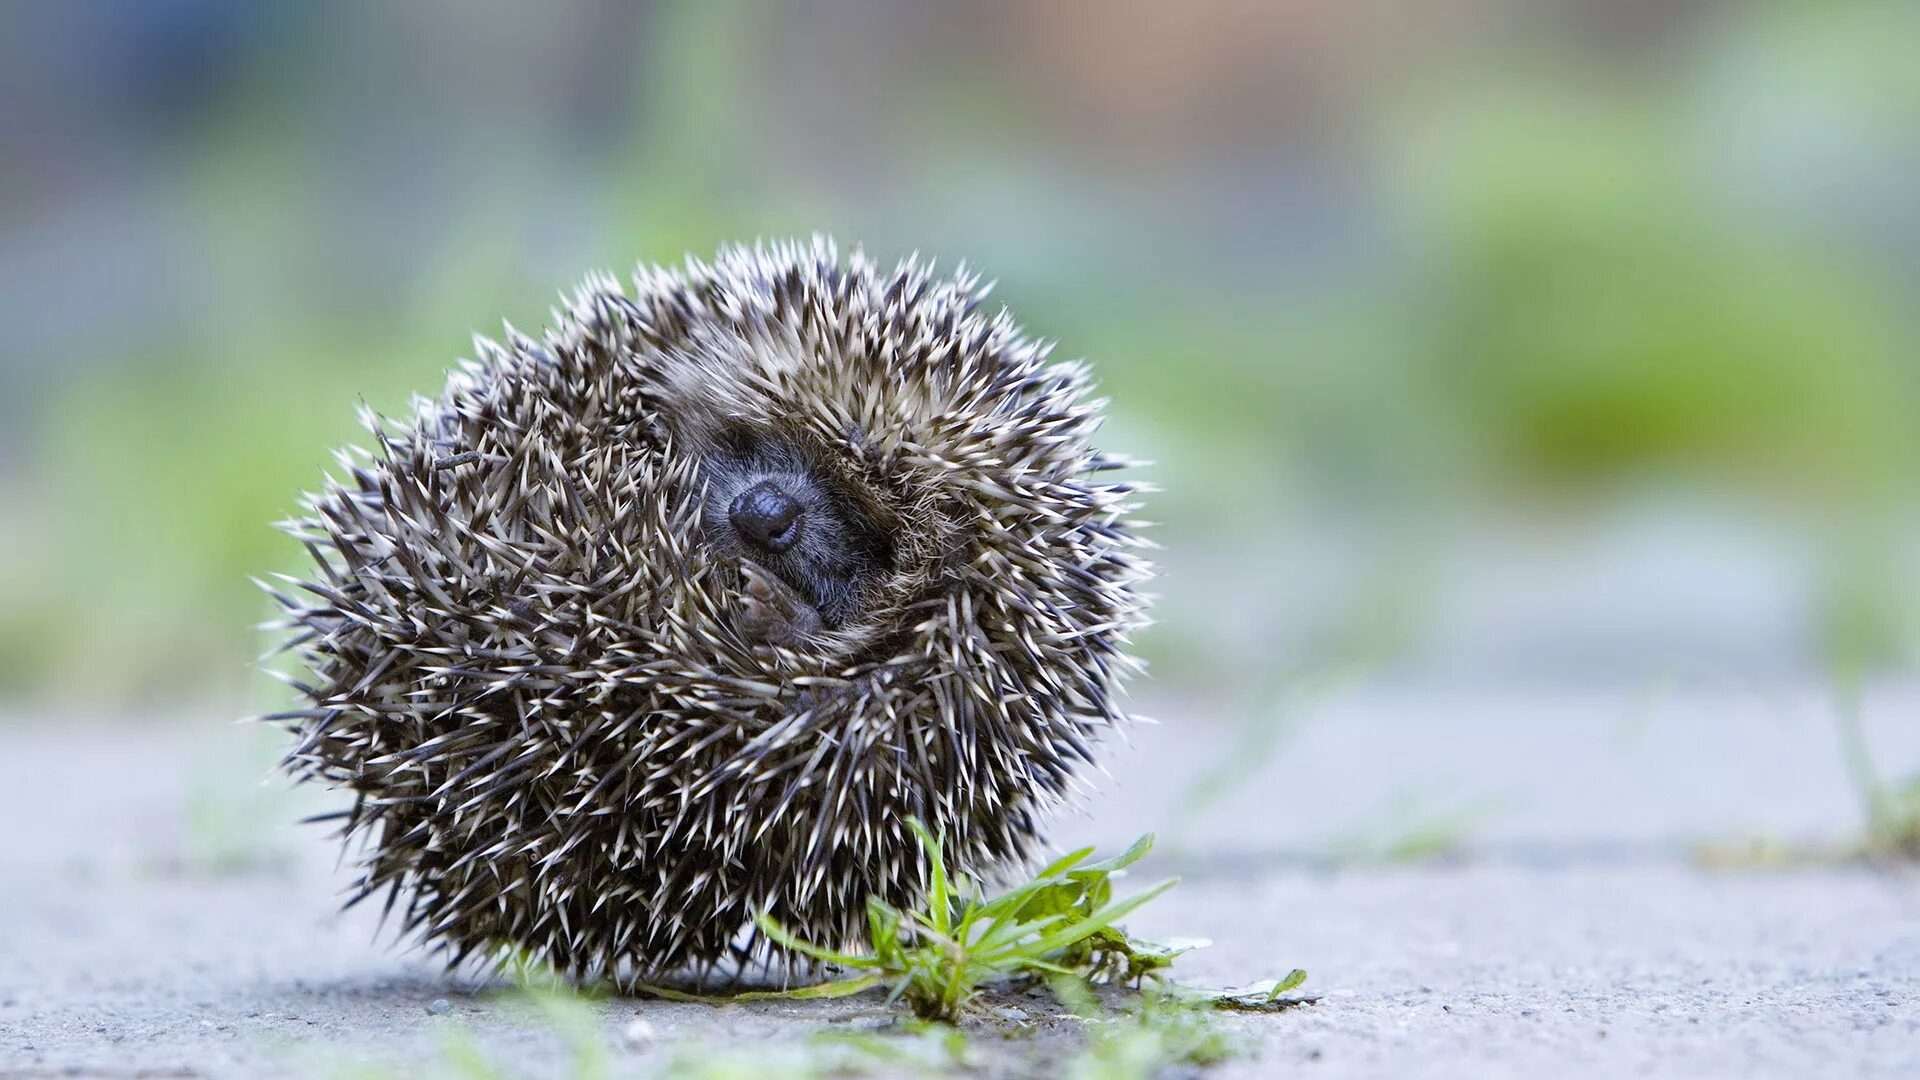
775 504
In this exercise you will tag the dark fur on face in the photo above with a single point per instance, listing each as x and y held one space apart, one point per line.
778 509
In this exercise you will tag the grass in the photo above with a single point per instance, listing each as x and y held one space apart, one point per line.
1892 808
1896 826
1861 634
1863 629
1061 923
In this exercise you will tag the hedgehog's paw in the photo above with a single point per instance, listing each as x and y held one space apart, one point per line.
771 612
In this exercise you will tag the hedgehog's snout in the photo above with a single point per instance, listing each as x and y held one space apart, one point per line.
767 517
777 505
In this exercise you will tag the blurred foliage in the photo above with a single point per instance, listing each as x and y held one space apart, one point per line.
1587 284
1596 319
153 502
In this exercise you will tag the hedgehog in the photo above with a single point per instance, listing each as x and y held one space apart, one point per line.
675 617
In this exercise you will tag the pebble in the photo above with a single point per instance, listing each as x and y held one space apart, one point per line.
439 1007
638 1034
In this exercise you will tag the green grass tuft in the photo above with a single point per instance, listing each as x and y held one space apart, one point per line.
1062 923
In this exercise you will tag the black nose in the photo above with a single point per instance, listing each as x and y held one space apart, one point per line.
766 517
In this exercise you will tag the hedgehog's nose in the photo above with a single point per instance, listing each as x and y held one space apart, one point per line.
766 517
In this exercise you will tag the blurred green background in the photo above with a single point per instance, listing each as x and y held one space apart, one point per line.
1415 308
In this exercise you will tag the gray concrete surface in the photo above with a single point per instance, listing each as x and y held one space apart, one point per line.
160 916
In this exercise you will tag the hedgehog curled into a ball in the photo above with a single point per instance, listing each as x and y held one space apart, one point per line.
676 616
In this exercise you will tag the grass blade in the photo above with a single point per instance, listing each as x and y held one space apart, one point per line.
939 899
1101 919
1127 858
784 938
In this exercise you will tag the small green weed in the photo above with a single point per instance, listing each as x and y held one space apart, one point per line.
1061 922
1892 809
1898 830
1861 634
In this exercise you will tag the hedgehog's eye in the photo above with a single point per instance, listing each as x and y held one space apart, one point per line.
767 517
